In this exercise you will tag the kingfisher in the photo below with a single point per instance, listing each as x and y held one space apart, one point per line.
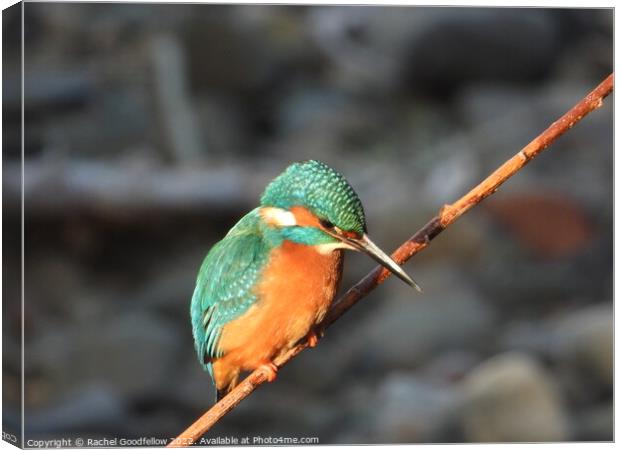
270 281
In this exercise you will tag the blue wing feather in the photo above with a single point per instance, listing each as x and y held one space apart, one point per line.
224 288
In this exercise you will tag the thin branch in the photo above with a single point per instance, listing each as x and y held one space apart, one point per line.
415 244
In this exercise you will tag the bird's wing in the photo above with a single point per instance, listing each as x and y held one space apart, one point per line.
224 286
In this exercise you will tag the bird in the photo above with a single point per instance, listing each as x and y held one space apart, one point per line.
270 281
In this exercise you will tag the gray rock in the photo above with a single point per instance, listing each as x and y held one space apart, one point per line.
52 90
474 44
88 407
135 343
580 340
365 49
453 175
223 125
449 366
411 410
406 329
404 409
584 339
595 424
135 352
527 336
236 49
511 398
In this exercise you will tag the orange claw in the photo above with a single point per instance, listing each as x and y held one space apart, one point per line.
270 370
313 339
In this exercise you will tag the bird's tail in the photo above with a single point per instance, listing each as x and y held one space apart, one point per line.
209 367
224 379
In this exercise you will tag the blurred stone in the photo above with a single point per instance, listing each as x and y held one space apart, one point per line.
365 48
135 352
510 398
584 339
172 283
595 424
241 50
405 409
309 106
580 340
313 120
61 272
410 410
593 50
406 329
579 344
142 345
518 45
519 283
527 336
48 90
224 126
449 366
452 176
87 407
484 104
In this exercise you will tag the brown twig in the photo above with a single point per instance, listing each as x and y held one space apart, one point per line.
417 243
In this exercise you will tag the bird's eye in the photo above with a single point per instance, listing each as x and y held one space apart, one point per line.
326 224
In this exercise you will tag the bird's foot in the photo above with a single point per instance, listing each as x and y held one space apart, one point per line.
313 339
270 370
316 333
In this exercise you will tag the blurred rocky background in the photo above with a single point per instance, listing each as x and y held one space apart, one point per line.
150 129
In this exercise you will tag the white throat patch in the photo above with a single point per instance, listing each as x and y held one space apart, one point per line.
326 249
278 217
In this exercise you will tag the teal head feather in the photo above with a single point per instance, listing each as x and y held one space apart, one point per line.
318 187
331 199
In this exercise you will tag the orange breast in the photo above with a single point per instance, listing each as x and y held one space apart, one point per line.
296 291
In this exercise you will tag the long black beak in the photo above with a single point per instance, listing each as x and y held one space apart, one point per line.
365 245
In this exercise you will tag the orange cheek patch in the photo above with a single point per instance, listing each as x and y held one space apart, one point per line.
351 234
304 218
